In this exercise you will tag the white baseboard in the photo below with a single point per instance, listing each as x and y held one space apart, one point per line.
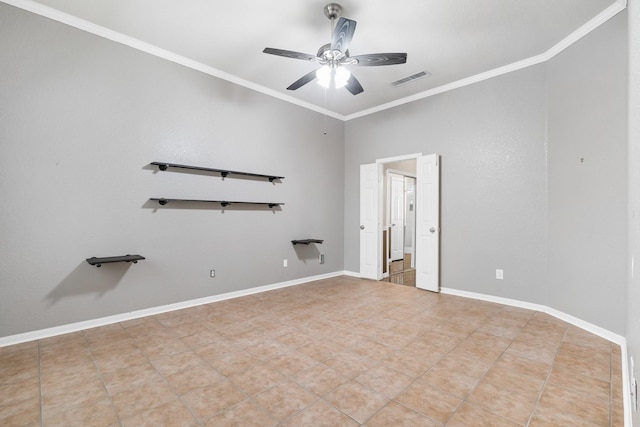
594 329
78 326
93 323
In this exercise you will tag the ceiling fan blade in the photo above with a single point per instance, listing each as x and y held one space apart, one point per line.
354 86
309 77
289 54
376 59
343 34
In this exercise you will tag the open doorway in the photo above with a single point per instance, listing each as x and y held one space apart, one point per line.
427 220
399 220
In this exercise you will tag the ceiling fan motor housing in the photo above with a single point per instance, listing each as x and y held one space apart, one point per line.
332 10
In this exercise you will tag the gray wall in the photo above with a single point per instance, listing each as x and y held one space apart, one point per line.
491 138
514 194
81 118
587 199
633 297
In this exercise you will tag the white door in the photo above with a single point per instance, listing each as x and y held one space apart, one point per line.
428 223
369 212
396 216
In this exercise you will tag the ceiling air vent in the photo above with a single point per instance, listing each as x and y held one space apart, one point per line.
416 76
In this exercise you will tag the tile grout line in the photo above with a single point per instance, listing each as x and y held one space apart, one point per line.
146 356
546 381
464 400
101 378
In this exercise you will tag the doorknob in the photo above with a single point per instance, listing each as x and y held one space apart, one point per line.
362 227
433 230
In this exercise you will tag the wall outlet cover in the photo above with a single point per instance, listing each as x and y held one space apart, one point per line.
499 274
212 273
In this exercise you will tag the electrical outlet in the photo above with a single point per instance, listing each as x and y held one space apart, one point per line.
499 274
285 263
321 259
212 273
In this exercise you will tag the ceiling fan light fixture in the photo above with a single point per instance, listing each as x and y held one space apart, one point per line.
324 76
342 77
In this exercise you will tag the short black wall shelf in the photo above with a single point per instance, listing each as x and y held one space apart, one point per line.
105 260
306 241
223 203
223 172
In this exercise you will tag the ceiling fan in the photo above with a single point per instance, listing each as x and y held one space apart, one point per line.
335 55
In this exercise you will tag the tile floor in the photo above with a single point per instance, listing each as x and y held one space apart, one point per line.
336 352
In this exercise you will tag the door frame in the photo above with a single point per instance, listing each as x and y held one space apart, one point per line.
379 163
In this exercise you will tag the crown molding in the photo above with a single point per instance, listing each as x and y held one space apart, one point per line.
98 30
578 34
84 25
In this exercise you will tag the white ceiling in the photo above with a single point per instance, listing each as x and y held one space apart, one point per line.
451 39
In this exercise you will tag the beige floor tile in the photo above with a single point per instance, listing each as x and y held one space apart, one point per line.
18 391
506 403
320 379
23 413
257 379
566 405
320 414
213 398
198 377
233 363
309 354
584 360
525 366
284 399
321 350
173 414
586 339
454 382
129 378
430 401
357 401
395 414
291 363
385 380
245 414
98 413
178 362
513 381
131 402
471 415
565 377
111 362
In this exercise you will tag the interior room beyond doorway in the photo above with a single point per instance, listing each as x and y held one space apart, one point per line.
398 231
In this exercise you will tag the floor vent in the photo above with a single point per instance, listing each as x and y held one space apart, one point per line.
411 78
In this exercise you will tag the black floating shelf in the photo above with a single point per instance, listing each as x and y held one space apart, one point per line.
105 260
224 172
223 203
306 241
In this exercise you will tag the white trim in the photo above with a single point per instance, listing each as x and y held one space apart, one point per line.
585 29
98 30
93 323
352 274
594 329
399 158
590 327
81 24
626 387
